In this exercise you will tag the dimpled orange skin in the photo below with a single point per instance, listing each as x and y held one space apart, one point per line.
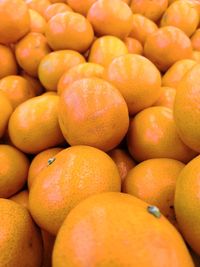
166 46
87 236
53 65
37 21
76 173
85 70
137 79
100 118
8 62
33 126
154 181
133 46
76 27
21 198
30 50
195 39
54 9
153 134
110 18
167 97
6 111
186 108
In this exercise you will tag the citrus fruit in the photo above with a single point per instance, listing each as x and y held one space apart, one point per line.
133 46
37 21
8 62
54 9
21 198
195 39
6 111
167 97
38 5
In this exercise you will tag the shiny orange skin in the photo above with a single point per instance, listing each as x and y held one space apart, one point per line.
14 20
38 5
33 126
195 39
21 198
54 9
30 50
101 117
137 79
76 27
14 170
84 70
34 83
67 181
107 20
88 233
153 134
8 62
166 46
142 27
167 97
53 65
37 21
154 181
6 111
133 46
105 49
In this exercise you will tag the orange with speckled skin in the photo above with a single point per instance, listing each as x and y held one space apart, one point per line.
54 9
166 98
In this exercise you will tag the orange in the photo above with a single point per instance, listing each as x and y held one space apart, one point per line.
14 167
110 18
123 161
167 97
105 49
33 82
48 243
14 20
30 50
154 181
142 27
39 162
33 126
153 134
67 181
119 230
21 198
84 70
186 108
16 88
53 65
8 62
196 56
187 203
38 5
6 111
182 15
133 46
20 240
195 39
176 72
37 21
54 9
166 46
76 27
152 9
93 112
137 79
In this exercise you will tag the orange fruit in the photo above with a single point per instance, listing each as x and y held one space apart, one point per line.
16 88
37 21
182 15
125 221
133 46
186 108
153 134
105 49
33 126
176 72
166 46
33 82
187 203
6 111
142 27
21 198
195 39
101 117
107 20
21 243
137 79
30 50
48 243
14 170
166 98
196 56
84 70
14 20
67 181
38 5
55 9
8 62
154 181
76 27
123 161
39 162
53 65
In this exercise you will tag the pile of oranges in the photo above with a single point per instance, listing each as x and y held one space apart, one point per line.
99 133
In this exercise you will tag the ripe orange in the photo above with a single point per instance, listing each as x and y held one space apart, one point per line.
166 98
34 83
6 111
133 46
137 79
21 198
53 65
195 39
166 46
93 112
54 9
76 27
38 5
8 62
48 244
115 229
33 126
196 56
153 134
110 18
37 21
67 181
